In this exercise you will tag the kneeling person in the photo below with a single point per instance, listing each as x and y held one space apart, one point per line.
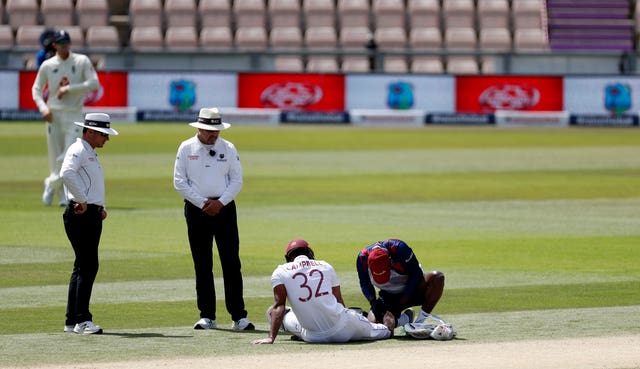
317 312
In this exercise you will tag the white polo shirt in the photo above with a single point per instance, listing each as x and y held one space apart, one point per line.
197 175
82 174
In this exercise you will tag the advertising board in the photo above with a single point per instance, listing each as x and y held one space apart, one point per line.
611 96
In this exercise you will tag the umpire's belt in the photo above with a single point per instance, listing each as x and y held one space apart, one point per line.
90 207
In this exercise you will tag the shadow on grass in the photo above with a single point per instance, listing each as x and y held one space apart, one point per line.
144 335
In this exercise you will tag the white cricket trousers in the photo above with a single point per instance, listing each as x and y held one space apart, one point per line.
61 133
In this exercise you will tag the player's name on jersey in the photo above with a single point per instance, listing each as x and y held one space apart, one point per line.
304 264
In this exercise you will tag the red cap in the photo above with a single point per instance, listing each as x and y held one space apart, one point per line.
380 265
296 244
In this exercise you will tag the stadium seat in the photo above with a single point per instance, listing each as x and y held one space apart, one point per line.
147 38
395 64
390 38
462 65
103 38
216 38
288 63
494 39
285 38
423 13
6 37
77 36
181 38
355 64
530 39
493 13
460 38
322 64
317 13
527 14
425 38
57 13
354 37
214 13
145 13
388 13
22 13
426 64
92 13
321 38
180 13
284 13
354 13
458 13
251 38
28 37
249 13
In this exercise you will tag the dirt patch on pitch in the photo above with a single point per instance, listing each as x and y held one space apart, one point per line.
571 353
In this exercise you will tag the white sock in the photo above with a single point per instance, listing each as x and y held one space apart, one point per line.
403 319
422 315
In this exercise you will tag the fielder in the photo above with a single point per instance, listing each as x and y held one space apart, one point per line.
68 76
317 312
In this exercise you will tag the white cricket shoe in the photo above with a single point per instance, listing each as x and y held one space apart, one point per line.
205 323
87 328
69 328
47 195
243 325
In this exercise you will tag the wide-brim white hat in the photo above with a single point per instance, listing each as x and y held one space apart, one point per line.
209 119
100 122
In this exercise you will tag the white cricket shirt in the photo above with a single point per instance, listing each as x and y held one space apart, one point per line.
82 173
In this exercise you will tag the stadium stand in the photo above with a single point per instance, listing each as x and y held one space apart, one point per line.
180 13
251 38
28 36
216 38
393 40
182 38
145 13
57 13
530 39
102 38
249 13
92 13
458 13
427 64
353 13
425 38
284 13
527 14
289 63
147 38
423 13
6 37
317 13
322 64
321 37
22 13
214 13
355 64
493 14
388 13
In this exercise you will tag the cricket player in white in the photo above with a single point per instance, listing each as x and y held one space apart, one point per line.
68 76
317 312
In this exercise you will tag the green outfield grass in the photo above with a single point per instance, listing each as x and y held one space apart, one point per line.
527 224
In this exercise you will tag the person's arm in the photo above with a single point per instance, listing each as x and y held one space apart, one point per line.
181 179
276 314
90 80
338 294
406 257
366 286
69 172
36 92
235 176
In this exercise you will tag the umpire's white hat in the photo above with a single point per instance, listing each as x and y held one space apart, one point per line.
100 122
209 119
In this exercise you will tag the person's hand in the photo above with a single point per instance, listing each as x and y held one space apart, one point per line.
212 207
103 213
263 341
47 116
62 91
79 207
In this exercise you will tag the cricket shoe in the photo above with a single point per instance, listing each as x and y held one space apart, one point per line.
242 324
69 328
47 195
205 323
406 317
87 328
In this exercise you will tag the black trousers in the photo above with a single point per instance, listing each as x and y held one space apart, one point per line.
84 232
202 229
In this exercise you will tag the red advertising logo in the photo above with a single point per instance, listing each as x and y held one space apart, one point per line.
112 92
476 94
291 92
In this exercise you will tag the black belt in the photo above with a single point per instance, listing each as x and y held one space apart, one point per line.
98 208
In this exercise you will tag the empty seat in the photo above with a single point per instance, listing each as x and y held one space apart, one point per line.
6 37
458 13
145 13
395 64
355 63
530 39
423 13
354 37
214 13
527 14
493 13
22 13
321 37
288 63
426 64
284 13
323 64
354 13
147 38
216 38
388 13
251 38
425 38
460 38
92 13
102 38
57 13
249 13
319 13
180 13
77 36
181 38
390 38
494 39
462 65
28 37
285 38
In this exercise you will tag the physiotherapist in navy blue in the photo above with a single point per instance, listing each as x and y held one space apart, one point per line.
83 178
208 175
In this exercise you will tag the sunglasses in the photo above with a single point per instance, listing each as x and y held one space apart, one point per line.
103 134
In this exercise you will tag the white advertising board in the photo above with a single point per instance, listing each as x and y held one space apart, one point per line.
9 90
181 91
602 95
400 92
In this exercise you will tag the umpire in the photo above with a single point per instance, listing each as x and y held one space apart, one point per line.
208 175
82 175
